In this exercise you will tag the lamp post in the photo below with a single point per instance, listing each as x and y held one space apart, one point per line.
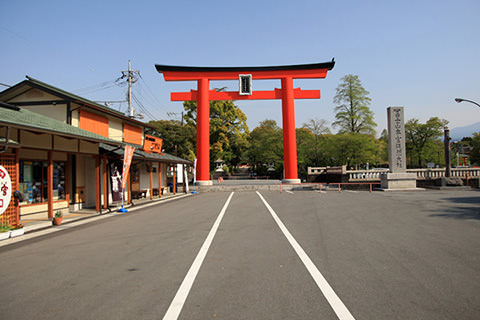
458 100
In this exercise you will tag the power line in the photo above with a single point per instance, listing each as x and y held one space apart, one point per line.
150 91
141 106
96 87
141 96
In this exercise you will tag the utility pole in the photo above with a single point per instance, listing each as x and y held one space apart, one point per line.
132 77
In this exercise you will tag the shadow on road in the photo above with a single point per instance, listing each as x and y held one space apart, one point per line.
468 208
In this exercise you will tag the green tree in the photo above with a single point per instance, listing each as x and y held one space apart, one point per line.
475 153
314 153
352 149
228 130
352 112
382 144
422 140
177 139
461 150
266 147
306 141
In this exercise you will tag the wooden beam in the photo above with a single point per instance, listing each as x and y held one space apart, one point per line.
50 184
97 183
17 184
105 183
174 179
159 180
151 180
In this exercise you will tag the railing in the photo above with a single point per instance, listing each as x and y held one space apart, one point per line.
422 174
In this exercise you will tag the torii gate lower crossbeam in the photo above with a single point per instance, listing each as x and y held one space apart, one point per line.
203 95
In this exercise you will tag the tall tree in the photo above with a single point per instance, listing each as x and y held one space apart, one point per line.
475 153
422 140
318 128
352 112
177 139
266 146
352 149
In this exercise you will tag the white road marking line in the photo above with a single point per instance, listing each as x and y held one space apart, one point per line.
179 300
289 191
337 305
352 191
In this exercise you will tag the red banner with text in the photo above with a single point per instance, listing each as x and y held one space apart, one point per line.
127 160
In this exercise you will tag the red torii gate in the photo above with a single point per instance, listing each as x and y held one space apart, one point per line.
203 95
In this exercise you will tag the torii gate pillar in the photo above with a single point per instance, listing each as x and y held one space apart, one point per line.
203 95
203 132
289 133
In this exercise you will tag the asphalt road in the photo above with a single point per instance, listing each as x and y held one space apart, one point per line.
411 255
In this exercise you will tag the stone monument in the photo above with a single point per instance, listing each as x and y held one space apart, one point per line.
397 178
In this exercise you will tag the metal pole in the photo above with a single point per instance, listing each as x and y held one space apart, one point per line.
446 143
130 109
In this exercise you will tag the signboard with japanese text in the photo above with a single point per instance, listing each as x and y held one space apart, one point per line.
5 189
396 140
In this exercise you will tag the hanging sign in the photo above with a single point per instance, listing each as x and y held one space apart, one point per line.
5 189
127 160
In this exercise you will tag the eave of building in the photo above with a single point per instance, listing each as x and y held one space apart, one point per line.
12 116
64 97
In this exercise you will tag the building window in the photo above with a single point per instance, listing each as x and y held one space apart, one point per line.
58 180
34 184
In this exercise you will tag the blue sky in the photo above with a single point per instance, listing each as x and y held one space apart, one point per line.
416 54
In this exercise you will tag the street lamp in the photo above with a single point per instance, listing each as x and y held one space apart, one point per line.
461 100
478 105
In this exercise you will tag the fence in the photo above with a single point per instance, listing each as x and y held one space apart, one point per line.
422 174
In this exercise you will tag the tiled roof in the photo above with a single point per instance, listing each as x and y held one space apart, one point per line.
140 154
74 98
25 119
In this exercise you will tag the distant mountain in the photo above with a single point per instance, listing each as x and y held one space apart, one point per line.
458 133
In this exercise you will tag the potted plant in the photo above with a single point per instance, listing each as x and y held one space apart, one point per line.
17 231
57 220
4 231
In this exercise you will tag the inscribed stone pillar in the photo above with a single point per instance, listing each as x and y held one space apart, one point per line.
397 178
396 140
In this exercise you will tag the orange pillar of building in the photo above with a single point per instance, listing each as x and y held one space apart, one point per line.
104 182
50 184
151 180
97 184
174 179
159 180
17 184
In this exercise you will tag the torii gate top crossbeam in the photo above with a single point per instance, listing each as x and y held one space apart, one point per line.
301 71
